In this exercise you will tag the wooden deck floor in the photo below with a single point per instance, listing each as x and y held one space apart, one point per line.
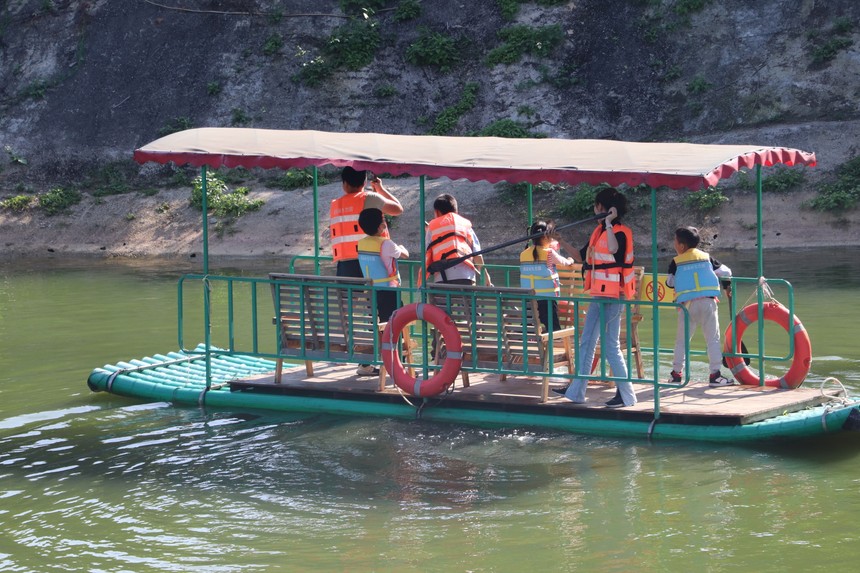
695 404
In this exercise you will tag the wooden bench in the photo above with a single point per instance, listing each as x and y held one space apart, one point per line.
501 331
325 318
573 285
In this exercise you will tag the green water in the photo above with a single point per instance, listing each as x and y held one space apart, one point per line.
93 482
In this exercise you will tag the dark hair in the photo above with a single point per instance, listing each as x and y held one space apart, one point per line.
445 204
611 197
353 178
546 228
369 220
688 236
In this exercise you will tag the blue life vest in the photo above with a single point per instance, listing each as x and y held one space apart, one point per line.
695 276
372 267
535 274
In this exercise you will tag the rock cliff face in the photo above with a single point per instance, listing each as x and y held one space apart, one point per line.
85 82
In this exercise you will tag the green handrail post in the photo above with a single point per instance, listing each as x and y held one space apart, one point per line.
760 287
654 308
207 335
316 222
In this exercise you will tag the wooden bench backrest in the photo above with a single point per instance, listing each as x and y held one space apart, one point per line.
321 317
498 327
572 284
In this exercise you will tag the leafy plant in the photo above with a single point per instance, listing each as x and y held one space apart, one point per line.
239 117
433 49
174 125
698 85
385 91
361 6
220 201
14 158
580 203
687 7
58 200
842 194
213 88
351 46
520 40
18 203
273 45
827 51
508 128
407 10
297 179
510 8
780 180
447 120
705 200
112 179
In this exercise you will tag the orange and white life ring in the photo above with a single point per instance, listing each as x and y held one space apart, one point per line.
802 347
444 377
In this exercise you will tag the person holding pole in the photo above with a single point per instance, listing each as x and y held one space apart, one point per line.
449 236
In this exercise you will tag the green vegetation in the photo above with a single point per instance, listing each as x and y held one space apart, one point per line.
687 7
433 49
220 201
273 45
843 193
705 200
14 158
359 7
698 85
407 10
113 178
174 125
520 40
508 128
385 91
36 90
580 203
18 203
239 117
58 201
510 8
297 179
779 180
826 44
351 46
447 120
516 193
213 88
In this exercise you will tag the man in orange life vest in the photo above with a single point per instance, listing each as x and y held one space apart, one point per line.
450 236
343 217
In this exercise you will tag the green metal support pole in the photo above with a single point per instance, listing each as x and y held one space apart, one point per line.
316 222
206 287
423 276
531 207
759 287
654 308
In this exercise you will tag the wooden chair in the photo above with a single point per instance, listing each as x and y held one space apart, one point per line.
573 285
500 330
325 318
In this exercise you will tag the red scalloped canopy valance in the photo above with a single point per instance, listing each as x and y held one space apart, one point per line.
493 159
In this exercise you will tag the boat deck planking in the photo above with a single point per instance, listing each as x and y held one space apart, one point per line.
695 403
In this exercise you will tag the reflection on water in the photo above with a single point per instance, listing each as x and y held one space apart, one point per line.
100 483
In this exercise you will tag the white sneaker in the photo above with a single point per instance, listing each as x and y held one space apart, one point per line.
366 370
717 379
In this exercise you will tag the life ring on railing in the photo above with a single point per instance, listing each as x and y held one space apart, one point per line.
777 313
444 377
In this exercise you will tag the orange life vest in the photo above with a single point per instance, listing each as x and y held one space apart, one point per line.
343 225
604 276
450 237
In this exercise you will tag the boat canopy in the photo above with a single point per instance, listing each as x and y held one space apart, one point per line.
493 159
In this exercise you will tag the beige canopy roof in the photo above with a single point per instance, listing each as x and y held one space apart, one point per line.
676 165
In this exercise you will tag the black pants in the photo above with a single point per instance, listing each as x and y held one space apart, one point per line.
543 310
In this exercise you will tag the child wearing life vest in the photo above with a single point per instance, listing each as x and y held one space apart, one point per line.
538 269
696 277
377 255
